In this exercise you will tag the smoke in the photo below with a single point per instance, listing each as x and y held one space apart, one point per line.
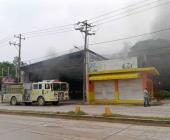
122 53
162 21
51 52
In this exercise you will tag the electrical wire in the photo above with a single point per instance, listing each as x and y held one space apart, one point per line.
130 37
68 26
117 10
50 33
47 29
4 40
129 10
4 45
50 30
115 19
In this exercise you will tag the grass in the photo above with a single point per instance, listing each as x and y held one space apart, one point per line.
162 94
81 113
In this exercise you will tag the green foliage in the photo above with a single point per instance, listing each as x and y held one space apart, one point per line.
4 66
163 94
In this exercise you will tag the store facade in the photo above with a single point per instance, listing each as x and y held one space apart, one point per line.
121 85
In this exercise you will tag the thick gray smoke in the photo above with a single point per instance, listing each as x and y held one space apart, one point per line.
162 21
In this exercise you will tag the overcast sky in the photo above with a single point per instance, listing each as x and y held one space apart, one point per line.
20 16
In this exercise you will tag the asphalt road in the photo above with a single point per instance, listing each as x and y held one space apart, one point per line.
36 128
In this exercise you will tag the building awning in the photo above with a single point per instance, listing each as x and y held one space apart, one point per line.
114 76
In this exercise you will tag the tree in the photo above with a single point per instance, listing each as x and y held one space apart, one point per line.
7 69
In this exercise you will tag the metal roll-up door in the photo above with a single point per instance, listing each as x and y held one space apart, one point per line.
104 89
130 89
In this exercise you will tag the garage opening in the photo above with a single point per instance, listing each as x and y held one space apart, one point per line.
130 89
104 89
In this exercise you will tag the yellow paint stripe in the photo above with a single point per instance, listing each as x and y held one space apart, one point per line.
114 76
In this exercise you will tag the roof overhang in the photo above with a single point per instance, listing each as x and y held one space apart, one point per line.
114 76
122 73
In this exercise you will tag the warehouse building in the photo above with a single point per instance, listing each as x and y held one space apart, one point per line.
67 67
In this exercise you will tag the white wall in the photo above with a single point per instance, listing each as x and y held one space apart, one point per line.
130 62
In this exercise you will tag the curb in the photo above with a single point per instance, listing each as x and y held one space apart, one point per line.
111 119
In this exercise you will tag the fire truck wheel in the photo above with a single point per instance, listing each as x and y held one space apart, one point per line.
41 101
13 101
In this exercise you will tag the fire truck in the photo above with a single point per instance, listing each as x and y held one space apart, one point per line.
41 92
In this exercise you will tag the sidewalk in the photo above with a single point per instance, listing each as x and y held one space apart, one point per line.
162 111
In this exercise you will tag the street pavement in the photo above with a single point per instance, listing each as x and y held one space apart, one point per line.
132 110
38 128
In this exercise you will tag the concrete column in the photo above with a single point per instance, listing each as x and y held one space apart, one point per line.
116 90
90 95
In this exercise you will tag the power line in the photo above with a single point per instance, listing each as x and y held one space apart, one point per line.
63 30
50 33
57 28
4 45
36 33
133 13
48 29
145 5
134 36
4 40
117 10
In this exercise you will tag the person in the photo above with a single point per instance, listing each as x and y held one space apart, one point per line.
146 98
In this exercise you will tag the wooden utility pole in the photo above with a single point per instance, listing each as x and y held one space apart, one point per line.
86 29
19 55
8 71
2 73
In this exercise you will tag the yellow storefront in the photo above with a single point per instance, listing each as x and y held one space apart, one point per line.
120 86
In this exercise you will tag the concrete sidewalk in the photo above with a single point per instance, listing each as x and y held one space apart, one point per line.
162 111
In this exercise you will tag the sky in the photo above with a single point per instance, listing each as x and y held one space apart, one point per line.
23 16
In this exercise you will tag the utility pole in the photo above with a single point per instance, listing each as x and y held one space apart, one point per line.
19 54
8 71
85 27
2 72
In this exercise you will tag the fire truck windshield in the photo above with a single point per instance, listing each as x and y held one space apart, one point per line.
59 87
56 86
